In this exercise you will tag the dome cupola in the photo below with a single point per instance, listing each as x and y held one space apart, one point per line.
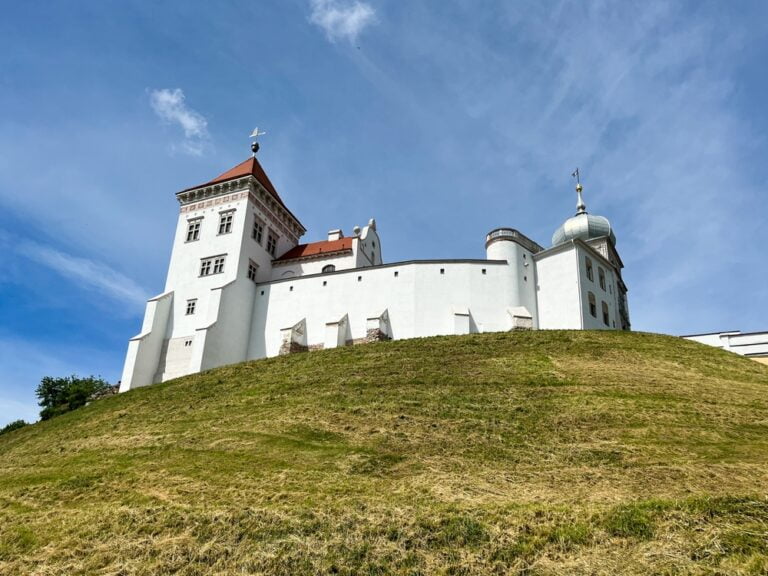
583 225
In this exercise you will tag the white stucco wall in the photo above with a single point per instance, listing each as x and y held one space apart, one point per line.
559 290
293 269
521 271
420 300
144 349
746 344
607 295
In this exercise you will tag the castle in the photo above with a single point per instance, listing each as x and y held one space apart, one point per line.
240 286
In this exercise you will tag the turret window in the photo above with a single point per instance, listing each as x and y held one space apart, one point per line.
601 277
193 229
590 273
225 222
592 305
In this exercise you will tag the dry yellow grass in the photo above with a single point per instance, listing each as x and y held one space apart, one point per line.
538 453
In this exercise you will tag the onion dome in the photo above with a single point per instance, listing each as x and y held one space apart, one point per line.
583 226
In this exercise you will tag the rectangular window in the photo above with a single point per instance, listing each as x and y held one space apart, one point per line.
272 243
225 222
191 305
258 231
212 265
592 305
605 314
601 277
590 274
252 269
193 230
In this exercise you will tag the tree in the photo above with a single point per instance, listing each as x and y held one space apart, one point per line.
60 395
15 425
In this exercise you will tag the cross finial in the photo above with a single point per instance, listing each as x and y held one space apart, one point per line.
255 144
581 208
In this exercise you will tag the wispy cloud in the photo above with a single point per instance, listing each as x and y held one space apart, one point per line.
89 273
171 107
342 20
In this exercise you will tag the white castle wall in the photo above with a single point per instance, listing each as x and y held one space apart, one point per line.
419 298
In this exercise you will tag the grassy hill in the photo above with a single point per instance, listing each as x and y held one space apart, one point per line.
527 453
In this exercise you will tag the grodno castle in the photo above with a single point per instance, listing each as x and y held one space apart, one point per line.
242 286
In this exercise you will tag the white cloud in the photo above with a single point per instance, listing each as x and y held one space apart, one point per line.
88 273
170 106
342 20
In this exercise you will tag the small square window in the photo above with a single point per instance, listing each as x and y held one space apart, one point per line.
442 270
290 288
325 283
253 268
191 305
359 278
483 270
396 273
262 292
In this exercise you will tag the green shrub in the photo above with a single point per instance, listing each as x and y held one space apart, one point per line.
15 425
60 395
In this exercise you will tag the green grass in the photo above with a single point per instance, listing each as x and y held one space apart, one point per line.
530 453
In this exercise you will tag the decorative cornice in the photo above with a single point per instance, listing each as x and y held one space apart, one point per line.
235 189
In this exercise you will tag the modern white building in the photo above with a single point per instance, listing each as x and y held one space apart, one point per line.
750 344
241 286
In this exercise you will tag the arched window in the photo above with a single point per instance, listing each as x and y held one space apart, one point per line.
590 274
329 268
606 320
601 277
592 305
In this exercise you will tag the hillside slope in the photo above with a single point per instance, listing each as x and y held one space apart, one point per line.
527 453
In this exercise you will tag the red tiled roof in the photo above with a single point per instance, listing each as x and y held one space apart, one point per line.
250 167
316 248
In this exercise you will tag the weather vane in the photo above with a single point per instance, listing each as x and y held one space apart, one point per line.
255 136
576 175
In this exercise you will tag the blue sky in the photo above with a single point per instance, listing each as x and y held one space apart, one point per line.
441 119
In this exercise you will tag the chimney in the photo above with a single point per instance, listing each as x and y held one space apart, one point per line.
335 235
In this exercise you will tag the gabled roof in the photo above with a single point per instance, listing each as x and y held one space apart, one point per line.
250 167
326 247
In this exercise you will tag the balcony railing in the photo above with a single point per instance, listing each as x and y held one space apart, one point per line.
513 235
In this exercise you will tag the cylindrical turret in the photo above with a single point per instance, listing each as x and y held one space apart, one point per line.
518 250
